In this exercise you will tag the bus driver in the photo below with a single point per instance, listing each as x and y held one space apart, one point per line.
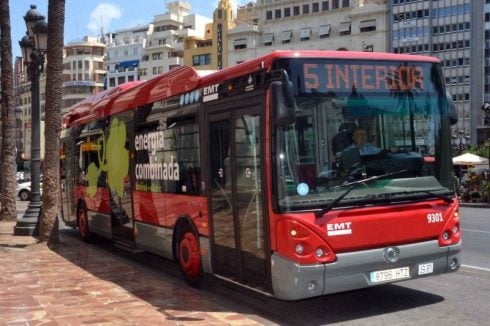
359 138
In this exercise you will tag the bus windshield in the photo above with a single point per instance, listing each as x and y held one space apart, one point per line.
356 119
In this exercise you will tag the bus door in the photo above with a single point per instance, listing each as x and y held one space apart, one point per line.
239 239
120 199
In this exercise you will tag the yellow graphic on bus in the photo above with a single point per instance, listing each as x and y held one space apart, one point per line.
114 160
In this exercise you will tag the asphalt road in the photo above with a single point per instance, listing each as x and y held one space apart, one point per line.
475 224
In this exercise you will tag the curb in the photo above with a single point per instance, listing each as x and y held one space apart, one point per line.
475 205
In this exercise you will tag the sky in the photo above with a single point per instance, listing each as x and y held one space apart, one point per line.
85 17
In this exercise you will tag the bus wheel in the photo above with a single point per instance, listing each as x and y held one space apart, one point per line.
83 228
190 257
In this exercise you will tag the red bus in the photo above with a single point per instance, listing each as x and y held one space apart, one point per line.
250 174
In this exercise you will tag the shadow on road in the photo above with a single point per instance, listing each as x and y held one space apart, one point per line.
158 282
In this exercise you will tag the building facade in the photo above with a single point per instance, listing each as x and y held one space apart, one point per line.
210 50
165 39
453 32
84 70
308 25
23 100
124 50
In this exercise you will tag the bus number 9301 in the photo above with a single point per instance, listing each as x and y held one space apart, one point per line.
434 217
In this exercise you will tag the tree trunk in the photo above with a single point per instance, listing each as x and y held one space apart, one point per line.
8 153
48 229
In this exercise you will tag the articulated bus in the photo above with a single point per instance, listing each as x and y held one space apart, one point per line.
249 173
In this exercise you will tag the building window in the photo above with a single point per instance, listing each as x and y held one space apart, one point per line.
306 9
277 13
345 3
315 7
287 36
240 43
268 39
325 5
344 28
287 12
201 59
268 15
157 56
367 25
304 34
324 31
335 4
295 10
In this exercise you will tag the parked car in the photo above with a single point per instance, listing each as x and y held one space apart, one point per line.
24 190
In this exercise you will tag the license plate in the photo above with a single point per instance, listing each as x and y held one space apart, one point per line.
427 268
388 275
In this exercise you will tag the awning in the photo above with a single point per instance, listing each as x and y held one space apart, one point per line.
305 32
268 38
344 27
240 41
286 35
469 159
367 23
324 30
127 64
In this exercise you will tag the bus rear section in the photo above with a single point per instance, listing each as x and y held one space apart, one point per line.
348 214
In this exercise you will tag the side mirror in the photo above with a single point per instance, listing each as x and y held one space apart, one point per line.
451 109
282 100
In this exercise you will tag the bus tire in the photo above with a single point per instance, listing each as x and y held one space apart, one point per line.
82 221
190 257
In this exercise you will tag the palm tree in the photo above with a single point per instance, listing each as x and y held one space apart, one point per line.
8 167
48 228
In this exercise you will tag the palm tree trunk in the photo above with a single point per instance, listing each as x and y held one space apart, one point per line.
48 228
8 153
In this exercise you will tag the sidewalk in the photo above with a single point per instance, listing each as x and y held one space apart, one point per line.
78 284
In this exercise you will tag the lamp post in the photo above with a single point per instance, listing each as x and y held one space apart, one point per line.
33 45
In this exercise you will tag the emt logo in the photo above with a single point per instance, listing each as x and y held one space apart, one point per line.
339 228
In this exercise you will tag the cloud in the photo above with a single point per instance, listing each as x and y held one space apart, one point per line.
102 16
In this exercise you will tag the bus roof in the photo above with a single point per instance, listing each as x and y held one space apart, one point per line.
184 79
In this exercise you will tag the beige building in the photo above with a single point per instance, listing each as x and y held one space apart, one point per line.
288 25
308 25
83 70
209 51
24 102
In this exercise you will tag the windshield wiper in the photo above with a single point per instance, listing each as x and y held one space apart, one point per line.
351 186
446 199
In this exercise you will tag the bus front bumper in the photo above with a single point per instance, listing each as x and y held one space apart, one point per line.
291 281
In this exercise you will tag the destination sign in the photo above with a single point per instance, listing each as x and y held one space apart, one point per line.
364 77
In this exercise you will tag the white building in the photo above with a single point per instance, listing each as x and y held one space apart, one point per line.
165 39
125 48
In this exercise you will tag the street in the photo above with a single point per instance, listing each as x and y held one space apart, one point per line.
475 223
460 297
